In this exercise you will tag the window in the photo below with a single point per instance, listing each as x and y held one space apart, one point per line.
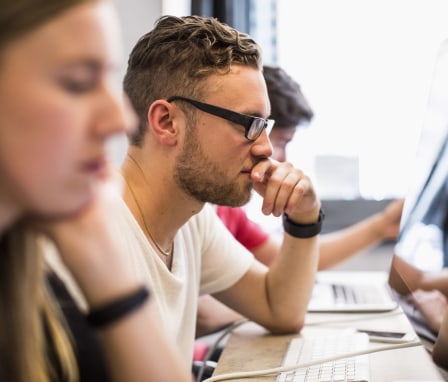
366 68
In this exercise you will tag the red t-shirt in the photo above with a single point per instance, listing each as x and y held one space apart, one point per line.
247 232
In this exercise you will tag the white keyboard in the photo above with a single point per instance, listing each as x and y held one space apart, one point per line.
359 294
301 350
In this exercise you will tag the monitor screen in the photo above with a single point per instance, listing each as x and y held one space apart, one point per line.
422 240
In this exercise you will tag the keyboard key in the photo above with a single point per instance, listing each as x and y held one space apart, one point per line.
305 349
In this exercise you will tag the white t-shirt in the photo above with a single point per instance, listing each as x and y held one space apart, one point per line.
206 259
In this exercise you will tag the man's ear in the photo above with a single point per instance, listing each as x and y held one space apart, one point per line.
163 122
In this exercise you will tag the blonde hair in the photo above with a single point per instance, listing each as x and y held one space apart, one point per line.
26 308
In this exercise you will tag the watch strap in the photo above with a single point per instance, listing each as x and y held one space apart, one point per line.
303 231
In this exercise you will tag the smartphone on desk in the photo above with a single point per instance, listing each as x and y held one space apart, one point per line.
387 336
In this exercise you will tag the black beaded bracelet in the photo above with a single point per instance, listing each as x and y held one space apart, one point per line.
115 310
303 231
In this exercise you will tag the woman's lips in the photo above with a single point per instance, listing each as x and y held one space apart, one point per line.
97 167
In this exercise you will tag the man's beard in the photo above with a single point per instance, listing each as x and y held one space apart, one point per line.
205 180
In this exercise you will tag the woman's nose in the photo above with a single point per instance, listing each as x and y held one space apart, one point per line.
116 114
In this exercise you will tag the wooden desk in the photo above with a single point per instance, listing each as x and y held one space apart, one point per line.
250 347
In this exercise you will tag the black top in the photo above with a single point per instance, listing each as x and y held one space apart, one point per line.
88 349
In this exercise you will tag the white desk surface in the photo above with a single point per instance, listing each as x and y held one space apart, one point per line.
251 347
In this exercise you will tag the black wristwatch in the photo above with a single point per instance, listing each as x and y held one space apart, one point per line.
303 231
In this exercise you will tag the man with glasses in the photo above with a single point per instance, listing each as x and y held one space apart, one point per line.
198 89
253 126
291 111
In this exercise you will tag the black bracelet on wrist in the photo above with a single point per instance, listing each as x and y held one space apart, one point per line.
117 309
303 231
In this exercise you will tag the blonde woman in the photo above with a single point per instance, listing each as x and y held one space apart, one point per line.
58 107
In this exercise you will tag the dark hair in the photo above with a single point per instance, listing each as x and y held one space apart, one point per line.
177 55
289 106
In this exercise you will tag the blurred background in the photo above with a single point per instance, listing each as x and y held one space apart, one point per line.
366 67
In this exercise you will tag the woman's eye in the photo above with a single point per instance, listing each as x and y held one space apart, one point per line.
77 86
78 79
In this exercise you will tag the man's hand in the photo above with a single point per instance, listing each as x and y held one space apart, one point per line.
391 217
285 188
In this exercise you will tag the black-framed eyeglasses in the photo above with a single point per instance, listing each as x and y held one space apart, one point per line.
254 126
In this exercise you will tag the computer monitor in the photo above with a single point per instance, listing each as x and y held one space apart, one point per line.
421 240
422 234
424 229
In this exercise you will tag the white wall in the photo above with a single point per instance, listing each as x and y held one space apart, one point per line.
137 17
366 67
